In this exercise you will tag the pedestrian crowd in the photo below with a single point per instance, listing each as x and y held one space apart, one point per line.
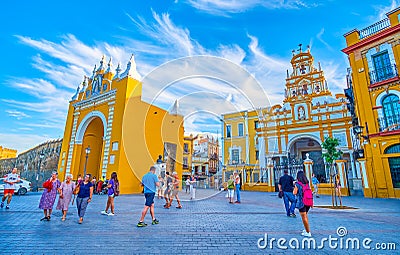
295 193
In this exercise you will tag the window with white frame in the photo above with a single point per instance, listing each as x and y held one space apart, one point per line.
228 131
235 156
115 146
112 159
240 129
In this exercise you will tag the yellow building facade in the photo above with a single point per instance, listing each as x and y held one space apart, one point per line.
188 154
124 133
374 57
261 143
7 153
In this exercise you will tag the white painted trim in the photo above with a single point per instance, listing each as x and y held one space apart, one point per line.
295 138
85 123
383 94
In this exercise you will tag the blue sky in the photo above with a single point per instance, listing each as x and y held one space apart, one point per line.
48 46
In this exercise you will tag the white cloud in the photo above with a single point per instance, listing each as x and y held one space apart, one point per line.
319 37
228 7
382 10
17 114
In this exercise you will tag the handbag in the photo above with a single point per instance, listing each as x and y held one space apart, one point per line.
48 185
280 194
77 189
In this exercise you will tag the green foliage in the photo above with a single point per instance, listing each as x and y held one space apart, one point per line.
332 153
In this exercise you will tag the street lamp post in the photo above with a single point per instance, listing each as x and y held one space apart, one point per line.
41 156
87 150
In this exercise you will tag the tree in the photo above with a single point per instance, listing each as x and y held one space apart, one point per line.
332 153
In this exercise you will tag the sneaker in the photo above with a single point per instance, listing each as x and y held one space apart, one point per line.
154 222
104 213
141 224
292 215
111 214
306 234
2 204
7 207
237 202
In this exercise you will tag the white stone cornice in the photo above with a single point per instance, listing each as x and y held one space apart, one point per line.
101 97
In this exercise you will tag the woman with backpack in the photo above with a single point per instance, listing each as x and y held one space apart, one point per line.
113 191
304 202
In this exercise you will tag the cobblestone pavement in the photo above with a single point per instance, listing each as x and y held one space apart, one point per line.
207 226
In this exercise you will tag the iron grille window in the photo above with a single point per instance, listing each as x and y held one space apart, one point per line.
391 110
383 69
394 164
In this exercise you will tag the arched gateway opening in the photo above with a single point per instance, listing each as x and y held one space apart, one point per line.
93 137
90 133
300 147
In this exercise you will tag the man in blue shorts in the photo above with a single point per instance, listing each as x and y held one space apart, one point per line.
150 182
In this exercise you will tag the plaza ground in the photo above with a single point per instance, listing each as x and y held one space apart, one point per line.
209 225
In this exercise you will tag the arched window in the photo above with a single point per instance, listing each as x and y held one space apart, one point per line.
394 164
391 111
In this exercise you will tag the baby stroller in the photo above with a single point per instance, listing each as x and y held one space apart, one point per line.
104 189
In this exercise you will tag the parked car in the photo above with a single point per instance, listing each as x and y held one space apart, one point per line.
21 188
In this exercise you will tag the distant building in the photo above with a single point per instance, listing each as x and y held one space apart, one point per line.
188 154
374 57
205 160
7 153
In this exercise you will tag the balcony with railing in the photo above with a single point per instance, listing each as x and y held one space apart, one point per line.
389 123
374 28
382 74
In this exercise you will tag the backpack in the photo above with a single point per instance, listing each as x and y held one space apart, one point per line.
116 189
307 195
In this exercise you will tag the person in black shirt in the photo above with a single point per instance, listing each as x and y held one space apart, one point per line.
286 184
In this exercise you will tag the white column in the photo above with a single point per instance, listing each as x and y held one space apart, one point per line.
364 173
108 137
308 166
72 142
352 163
261 152
246 123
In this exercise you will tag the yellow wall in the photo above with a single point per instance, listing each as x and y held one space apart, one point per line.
366 94
7 153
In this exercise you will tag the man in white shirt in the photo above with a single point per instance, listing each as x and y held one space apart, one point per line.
237 187
9 180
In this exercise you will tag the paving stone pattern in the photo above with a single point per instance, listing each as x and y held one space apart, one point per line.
209 225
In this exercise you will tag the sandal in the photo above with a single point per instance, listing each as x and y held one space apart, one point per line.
44 218
80 220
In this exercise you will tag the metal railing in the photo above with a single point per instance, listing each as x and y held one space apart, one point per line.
374 28
389 123
383 73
